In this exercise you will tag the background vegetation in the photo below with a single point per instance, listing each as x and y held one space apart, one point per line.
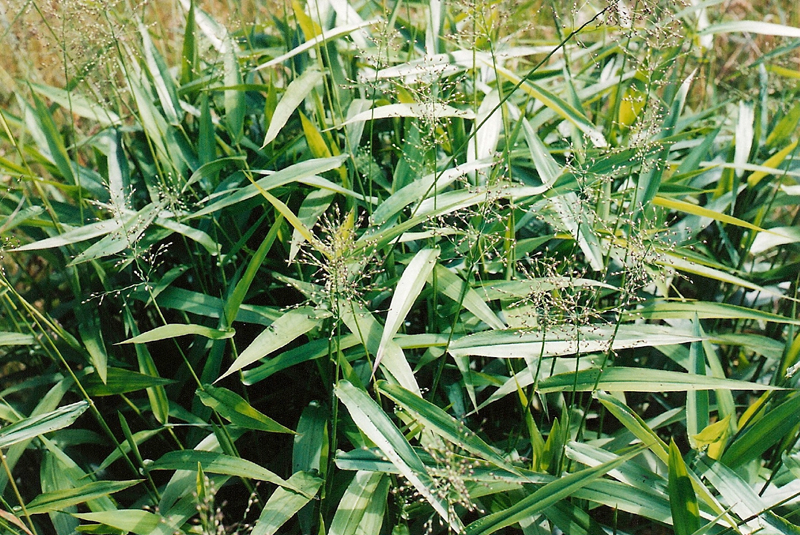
410 267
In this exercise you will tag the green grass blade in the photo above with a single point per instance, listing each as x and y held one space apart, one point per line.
408 288
459 291
283 504
376 425
121 381
360 493
762 434
682 499
621 379
237 410
295 94
285 329
219 463
61 499
438 421
233 96
661 310
44 423
174 330
129 520
542 498
234 302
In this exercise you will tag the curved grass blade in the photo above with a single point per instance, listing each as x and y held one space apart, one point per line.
620 379
129 520
237 410
438 421
121 381
283 504
543 498
174 330
360 494
38 425
322 38
220 463
376 425
295 94
408 288
285 329
763 433
682 499
61 499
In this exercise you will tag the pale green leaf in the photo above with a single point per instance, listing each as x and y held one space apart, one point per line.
174 330
131 520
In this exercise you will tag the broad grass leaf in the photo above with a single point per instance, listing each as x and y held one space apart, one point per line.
634 423
174 330
661 310
542 498
722 275
490 119
162 79
556 104
405 293
214 32
752 26
237 410
77 104
622 379
459 291
776 237
284 504
16 339
697 407
432 110
55 147
132 227
561 341
360 321
294 95
34 426
293 173
312 350
76 235
439 422
190 57
197 235
210 307
322 38
282 331
634 475
760 435
310 448
121 381
422 188
61 499
360 493
234 302
211 169
682 499
219 463
233 96
129 520
682 206
313 206
156 395
376 425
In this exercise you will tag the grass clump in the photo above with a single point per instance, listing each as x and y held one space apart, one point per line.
403 268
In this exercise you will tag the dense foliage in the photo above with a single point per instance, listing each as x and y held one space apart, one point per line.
413 268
